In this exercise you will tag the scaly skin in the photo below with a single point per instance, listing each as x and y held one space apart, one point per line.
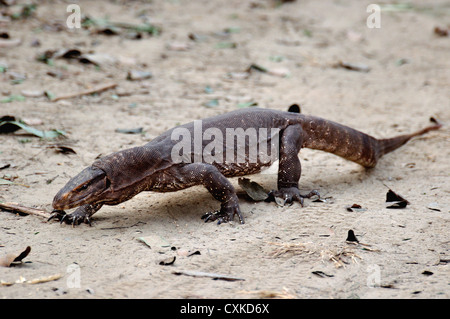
118 177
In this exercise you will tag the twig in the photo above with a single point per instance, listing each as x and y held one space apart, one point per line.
206 274
86 92
15 207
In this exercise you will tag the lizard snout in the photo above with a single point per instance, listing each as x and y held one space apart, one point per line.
60 200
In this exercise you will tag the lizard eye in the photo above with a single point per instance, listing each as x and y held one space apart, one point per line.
84 187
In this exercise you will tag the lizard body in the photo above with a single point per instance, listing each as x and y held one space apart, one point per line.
119 176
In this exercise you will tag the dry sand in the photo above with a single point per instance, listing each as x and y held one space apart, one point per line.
289 252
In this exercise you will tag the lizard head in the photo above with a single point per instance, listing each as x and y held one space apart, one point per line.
85 188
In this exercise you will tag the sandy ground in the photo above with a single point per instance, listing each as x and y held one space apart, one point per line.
288 252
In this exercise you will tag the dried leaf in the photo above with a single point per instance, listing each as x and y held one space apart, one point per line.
98 59
442 32
321 274
354 66
168 261
59 148
253 189
351 236
396 200
11 258
434 206
295 108
356 208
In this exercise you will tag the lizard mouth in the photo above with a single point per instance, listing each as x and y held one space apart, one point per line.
62 201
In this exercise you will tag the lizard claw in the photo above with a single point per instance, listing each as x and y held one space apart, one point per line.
225 215
285 196
58 214
75 218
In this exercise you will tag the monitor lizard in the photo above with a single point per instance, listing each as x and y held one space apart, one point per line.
118 177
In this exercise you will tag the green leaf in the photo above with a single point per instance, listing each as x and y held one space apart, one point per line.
247 104
42 134
212 103
226 45
12 98
5 182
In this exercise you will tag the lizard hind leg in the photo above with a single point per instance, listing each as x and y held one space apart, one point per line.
290 169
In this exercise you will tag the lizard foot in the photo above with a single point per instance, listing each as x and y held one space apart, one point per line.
225 215
288 195
75 218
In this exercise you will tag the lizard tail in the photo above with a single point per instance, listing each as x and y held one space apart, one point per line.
390 144
351 144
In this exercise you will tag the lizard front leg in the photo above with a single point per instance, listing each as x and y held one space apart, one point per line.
219 187
290 169
81 214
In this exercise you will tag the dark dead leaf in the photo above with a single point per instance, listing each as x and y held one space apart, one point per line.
321 274
395 200
6 127
197 252
434 206
442 32
137 130
353 66
397 205
427 273
295 108
351 236
98 59
59 148
12 258
253 189
107 30
168 261
355 208
67 54
4 165
257 67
